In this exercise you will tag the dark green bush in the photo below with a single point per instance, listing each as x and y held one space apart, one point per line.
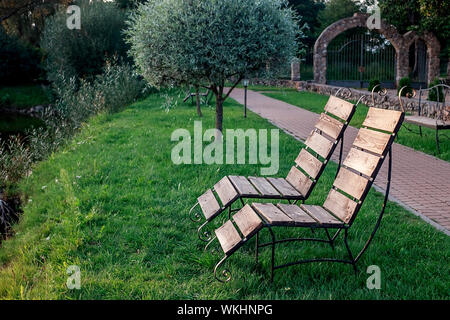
373 83
405 82
83 53
433 94
19 63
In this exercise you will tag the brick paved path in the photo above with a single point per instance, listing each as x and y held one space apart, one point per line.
420 182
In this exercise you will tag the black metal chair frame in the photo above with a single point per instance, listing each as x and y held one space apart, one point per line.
195 216
225 276
207 95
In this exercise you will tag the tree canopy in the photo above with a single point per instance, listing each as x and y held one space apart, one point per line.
207 43
82 53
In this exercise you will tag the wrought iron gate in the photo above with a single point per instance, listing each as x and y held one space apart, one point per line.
354 59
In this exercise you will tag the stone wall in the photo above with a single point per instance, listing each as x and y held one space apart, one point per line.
389 101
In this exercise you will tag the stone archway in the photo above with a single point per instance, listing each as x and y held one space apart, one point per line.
400 42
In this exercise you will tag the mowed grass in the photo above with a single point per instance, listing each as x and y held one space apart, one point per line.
113 203
408 134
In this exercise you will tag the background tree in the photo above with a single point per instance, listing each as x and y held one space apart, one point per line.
82 53
420 15
309 11
197 42
24 19
337 9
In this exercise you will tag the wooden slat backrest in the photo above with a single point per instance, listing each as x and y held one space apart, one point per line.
319 144
374 147
351 183
330 126
382 119
340 205
340 108
309 163
372 140
299 181
322 141
361 161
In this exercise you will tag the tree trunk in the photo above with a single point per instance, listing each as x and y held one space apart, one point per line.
219 112
197 101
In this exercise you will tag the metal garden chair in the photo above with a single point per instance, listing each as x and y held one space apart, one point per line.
351 186
297 186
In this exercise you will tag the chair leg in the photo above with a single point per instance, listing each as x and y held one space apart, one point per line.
257 247
437 141
349 252
272 267
331 240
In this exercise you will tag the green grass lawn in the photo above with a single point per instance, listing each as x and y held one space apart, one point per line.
113 203
23 96
315 102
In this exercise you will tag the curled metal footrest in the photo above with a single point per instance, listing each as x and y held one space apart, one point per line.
223 276
195 215
204 235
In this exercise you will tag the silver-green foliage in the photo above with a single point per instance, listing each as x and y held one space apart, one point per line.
209 41
83 53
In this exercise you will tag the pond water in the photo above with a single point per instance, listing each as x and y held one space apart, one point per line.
13 124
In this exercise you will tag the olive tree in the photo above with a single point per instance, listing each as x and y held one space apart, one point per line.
210 42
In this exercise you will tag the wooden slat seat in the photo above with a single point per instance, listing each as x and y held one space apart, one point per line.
271 214
264 187
228 237
243 186
298 216
322 216
285 188
226 191
247 221
209 205
428 122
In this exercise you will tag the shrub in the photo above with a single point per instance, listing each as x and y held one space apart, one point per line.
405 82
373 83
115 88
83 53
19 64
433 94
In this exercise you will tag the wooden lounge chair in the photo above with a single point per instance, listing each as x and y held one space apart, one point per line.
297 186
205 97
440 122
353 182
